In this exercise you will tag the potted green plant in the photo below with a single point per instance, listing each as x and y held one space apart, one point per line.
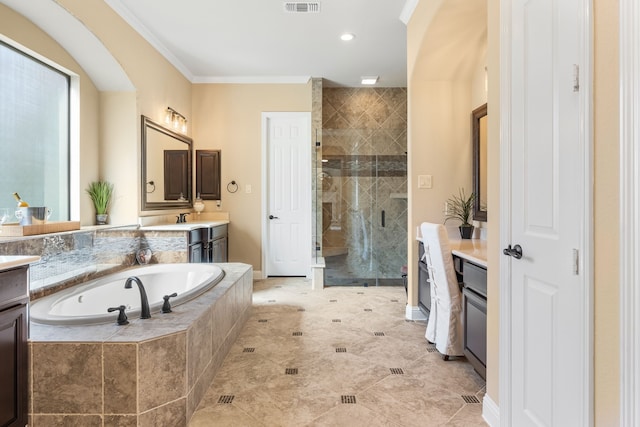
460 206
100 193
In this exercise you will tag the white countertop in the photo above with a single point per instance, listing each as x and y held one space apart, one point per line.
11 261
184 226
473 250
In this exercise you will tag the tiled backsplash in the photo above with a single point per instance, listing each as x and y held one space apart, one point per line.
72 257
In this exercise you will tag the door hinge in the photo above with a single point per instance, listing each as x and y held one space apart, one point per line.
576 262
576 78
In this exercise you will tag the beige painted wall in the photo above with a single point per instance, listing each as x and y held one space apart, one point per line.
606 213
493 199
228 117
439 117
158 85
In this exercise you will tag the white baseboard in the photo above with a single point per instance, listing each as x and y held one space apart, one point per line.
490 411
414 313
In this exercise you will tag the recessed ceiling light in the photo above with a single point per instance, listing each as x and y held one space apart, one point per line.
369 80
347 37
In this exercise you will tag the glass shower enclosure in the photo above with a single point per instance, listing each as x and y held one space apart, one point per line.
361 203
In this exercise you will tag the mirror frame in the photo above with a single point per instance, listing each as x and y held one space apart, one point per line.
476 115
146 125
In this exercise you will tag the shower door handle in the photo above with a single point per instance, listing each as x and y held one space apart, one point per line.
382 219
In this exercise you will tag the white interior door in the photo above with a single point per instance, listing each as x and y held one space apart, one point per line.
549 355
288 208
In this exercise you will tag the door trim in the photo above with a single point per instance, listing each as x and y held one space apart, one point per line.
629 15
265 182
586 222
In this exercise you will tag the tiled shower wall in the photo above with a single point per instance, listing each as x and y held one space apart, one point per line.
364 146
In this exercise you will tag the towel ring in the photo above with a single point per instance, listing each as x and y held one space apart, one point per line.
151 187
232 187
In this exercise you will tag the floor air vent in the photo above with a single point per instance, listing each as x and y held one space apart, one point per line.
378 334
302 7
297 334
226 399
336 320
470 399
397 371
348 399
291 371
431 349
341 350
249 350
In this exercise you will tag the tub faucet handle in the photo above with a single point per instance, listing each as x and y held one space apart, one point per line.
122 316
166 306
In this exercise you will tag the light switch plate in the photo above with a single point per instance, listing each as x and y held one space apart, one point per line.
424 181
247 188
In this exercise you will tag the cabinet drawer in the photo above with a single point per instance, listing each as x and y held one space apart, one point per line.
475 278
14 287
195 236
219 231
475 330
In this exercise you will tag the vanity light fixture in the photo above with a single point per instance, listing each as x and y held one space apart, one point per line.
347 37
369 80
175 120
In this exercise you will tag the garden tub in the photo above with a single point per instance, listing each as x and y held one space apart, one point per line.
88 302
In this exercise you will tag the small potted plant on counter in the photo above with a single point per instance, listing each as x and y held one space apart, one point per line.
101 193
459 207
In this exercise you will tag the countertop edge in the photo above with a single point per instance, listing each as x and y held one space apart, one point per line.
12 261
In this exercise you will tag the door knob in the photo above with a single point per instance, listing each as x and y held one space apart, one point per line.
273 217
515 252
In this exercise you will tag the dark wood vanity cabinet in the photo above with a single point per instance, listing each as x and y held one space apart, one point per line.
208 174
14 296
474 300
219 250
208 244
424 288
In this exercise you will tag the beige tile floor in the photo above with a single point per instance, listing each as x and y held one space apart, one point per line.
302 352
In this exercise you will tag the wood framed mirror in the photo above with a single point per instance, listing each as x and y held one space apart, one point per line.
479 144
166 167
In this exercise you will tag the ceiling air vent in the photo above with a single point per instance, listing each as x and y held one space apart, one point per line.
302 7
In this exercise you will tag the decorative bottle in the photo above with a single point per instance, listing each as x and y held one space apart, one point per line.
198 204
21 203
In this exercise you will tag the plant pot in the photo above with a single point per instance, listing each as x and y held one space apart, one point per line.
101 219
466 231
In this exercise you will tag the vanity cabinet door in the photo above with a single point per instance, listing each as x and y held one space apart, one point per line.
13 366
219 247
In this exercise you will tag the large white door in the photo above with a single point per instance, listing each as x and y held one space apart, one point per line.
288 208
549 370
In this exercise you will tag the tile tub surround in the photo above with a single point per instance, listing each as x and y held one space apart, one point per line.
151 372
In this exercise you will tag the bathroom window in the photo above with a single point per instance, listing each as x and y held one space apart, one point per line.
34 132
